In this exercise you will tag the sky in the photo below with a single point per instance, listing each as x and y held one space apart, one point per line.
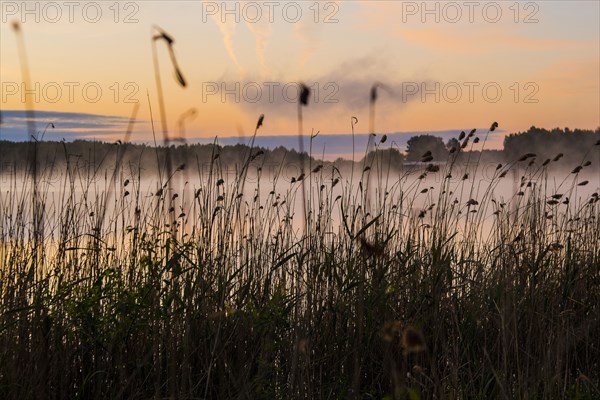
439 66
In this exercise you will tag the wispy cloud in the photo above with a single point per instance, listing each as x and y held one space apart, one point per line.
305 30
227 26
309 33
67 125
345 88
262 31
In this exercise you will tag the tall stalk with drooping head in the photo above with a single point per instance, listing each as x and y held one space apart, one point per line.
303 101
162 35
370 144
371 141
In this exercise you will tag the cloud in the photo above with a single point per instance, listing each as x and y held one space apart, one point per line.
305 29
262 31
227 27
309 32
67 125
308 36
345 88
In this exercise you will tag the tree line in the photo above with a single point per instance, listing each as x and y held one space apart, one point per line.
545 144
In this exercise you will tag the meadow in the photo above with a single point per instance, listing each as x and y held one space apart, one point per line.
364 282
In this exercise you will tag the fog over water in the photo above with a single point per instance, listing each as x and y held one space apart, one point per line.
274 192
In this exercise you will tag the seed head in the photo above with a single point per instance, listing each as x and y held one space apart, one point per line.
304 94
413 340
260 121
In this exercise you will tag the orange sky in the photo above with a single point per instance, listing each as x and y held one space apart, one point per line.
521 64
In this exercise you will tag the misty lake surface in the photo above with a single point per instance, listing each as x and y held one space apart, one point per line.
277 193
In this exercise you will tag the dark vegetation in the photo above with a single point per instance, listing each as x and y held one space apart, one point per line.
545 144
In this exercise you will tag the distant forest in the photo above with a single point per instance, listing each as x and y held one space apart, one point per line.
545 144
